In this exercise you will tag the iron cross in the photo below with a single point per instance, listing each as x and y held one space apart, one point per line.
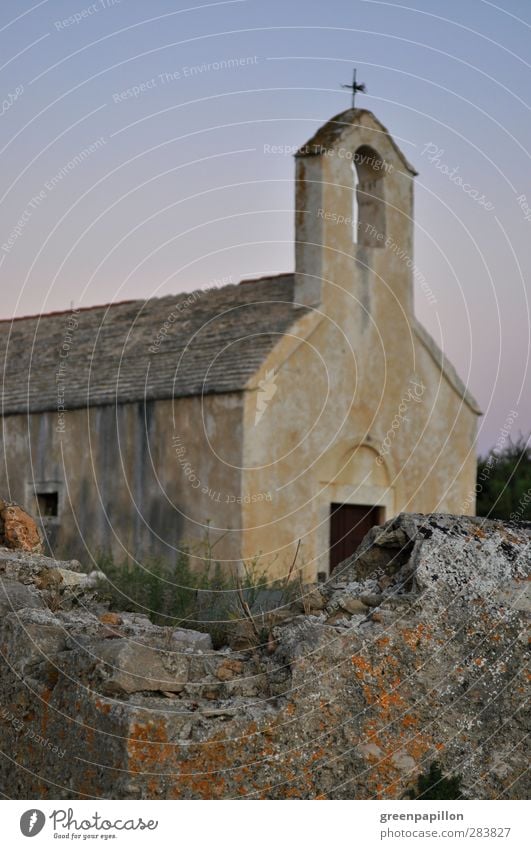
355 87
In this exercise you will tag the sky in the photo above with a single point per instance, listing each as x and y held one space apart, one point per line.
134 146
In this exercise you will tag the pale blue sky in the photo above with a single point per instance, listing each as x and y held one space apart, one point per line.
179 192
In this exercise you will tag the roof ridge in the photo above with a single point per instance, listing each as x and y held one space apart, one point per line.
171 296
67 312
326 136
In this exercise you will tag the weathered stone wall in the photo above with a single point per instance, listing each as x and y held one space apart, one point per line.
124 483
413 652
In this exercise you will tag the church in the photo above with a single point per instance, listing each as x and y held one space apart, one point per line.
286 413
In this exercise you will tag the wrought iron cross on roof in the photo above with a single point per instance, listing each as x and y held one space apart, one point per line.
354 88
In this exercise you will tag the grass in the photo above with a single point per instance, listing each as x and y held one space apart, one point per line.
204 597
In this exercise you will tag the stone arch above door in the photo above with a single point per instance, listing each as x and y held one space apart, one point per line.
347 463
349 475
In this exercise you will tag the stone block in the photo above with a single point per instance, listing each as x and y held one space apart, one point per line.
126 667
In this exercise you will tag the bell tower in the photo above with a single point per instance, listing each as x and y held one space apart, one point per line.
354 214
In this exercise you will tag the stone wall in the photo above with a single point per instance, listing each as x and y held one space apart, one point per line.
128 488
413 652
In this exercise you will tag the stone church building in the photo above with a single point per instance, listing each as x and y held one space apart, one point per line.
308 406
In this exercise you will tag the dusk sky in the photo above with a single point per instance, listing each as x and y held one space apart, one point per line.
136 163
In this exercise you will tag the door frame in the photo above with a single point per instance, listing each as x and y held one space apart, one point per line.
334 509
357 495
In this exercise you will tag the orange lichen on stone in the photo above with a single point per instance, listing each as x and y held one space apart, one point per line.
202 775
360 664
113 619
413 636
229 669
148 748
17 529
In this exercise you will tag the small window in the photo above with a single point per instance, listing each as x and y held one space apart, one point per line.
369 228
355 206
47 504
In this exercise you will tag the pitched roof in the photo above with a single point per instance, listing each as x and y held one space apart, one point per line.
203 342
445 366
330 134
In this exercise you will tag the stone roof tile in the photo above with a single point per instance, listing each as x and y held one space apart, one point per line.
203 342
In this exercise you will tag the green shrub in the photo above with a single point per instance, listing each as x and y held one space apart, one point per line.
504 482
434 785
167 594
203 597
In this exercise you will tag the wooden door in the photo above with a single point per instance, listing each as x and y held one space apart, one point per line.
348 525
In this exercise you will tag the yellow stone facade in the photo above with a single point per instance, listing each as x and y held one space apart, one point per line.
367 410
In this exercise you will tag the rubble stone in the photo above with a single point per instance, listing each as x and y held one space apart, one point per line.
17 529
333 705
